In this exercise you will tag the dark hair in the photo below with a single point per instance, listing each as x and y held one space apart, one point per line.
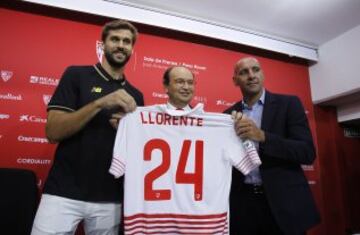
166 77
118 24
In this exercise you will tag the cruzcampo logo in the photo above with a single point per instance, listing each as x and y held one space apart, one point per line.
96 89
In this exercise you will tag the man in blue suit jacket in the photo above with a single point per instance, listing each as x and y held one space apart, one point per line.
276 198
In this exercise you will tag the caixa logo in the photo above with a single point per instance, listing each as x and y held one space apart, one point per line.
31 118
6 75
224 103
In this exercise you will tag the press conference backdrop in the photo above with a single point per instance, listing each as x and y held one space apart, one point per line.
36 49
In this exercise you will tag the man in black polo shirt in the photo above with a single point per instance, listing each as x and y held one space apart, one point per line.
82 117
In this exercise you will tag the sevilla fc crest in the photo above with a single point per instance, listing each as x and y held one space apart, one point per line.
46 99
99 50
6 75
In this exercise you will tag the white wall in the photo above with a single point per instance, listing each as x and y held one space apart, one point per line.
337 74
349 111
184 23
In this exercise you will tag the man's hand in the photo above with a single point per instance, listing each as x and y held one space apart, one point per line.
119 98
246 128
115 119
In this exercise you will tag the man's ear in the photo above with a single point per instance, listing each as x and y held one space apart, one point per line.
235 81
166 89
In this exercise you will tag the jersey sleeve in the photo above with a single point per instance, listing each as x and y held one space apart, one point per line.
117 167
242 154
66 94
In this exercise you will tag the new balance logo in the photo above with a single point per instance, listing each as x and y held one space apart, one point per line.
96 89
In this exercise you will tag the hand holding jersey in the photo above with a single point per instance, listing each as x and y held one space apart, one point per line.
119 98
115 119
246 128
177 167
178 164
276 197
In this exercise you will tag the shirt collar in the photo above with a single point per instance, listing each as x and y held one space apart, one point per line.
261 100
170 106
102 72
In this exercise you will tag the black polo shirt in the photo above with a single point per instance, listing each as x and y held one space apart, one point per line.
81 163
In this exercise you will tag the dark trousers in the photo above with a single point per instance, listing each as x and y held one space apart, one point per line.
251 214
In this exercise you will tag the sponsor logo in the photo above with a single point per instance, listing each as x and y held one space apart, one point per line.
44 80
99 50
39 183
4 116
224 103
6 75
96 89
160 95
31 118
33 161
10 96
307 167
200 99
248 145
46 99
32 139
311 182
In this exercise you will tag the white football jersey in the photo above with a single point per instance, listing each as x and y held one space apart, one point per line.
177 167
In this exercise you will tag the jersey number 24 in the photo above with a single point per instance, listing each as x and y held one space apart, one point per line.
182 177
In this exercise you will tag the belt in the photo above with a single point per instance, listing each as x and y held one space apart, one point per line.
253 188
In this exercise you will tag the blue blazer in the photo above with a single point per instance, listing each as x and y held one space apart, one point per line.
288 144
